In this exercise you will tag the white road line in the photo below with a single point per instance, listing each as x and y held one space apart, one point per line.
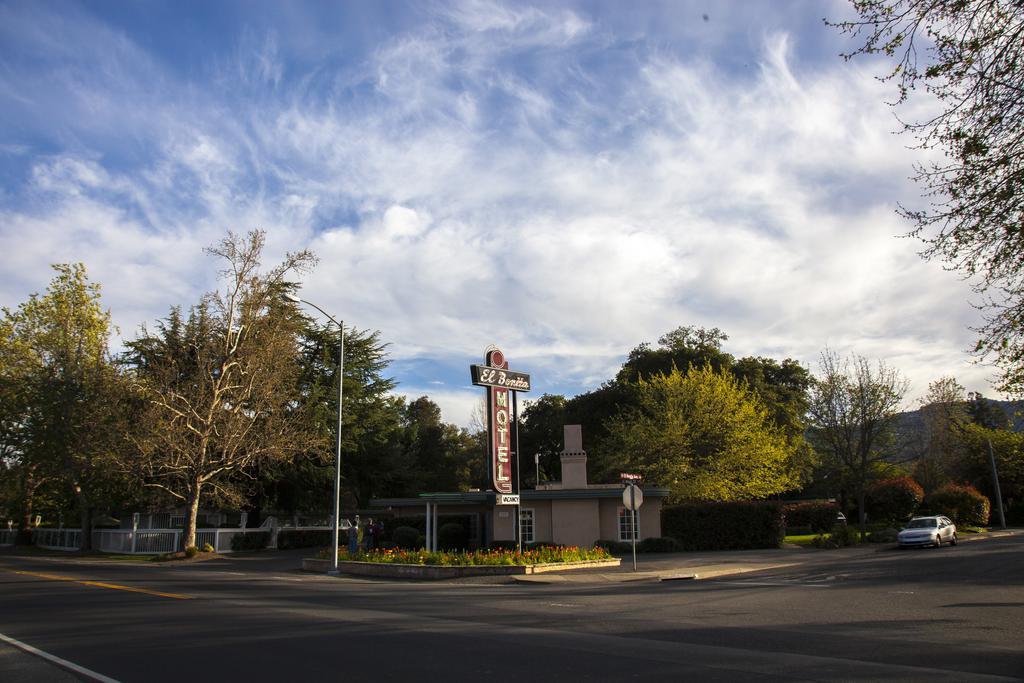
62 663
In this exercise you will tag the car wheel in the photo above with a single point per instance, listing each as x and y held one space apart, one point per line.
953 540
938 541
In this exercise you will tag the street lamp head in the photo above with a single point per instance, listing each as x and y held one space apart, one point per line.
288 296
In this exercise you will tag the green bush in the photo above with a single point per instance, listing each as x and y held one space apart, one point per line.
191 551
840 537
963 504
883 536
843 535
615 547
1015 513
810 516
250 541
893 501
207 548
393 523
419 523
451 536
307 538
662 544
406 537
725 526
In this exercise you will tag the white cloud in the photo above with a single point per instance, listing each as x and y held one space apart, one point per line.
459 195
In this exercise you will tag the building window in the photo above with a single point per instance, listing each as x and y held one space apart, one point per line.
526 524
627 532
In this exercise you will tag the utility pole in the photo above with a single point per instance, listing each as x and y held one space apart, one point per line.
995 485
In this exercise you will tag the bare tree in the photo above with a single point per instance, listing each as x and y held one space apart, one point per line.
943 412
222 385
968 56
852 413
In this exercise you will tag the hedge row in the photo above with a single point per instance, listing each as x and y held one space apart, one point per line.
647 545
725 526
816 516
307 538
257 540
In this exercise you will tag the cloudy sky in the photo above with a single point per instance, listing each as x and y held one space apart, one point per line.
563 180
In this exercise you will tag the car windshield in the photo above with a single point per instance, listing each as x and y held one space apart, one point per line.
922 523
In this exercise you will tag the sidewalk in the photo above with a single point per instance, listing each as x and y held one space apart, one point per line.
682 566
705 565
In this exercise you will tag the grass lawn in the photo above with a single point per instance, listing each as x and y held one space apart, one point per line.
805 540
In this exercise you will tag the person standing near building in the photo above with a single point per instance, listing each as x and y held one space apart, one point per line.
353 538
370 537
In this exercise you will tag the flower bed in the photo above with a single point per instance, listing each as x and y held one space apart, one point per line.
421 564
476 558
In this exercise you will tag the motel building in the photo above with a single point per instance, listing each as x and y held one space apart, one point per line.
567 512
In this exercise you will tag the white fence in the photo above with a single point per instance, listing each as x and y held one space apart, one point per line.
7 536
140 542
57 539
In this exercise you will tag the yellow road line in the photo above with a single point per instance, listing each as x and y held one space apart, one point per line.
101 584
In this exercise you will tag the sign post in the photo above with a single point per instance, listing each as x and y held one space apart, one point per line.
502 386
632 499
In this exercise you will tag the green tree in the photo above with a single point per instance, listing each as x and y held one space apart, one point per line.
706 436
974 468
969 56
443 457
371 456
541 434
61 417
940 442
221 386
681 348
852 410
781 386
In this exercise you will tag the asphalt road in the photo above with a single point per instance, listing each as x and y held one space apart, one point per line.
948 614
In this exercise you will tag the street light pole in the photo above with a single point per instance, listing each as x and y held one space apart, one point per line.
337 444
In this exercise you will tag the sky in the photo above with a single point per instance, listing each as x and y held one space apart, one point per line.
566 180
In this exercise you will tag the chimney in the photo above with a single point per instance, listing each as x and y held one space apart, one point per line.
574 459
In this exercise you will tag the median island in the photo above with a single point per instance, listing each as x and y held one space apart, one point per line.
424 564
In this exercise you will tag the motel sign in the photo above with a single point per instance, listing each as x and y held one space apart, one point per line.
502 385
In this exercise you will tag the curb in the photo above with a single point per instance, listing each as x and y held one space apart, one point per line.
1002 533
440 572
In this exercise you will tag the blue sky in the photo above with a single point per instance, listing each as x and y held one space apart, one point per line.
565 180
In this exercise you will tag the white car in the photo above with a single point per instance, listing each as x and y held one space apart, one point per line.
928 531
